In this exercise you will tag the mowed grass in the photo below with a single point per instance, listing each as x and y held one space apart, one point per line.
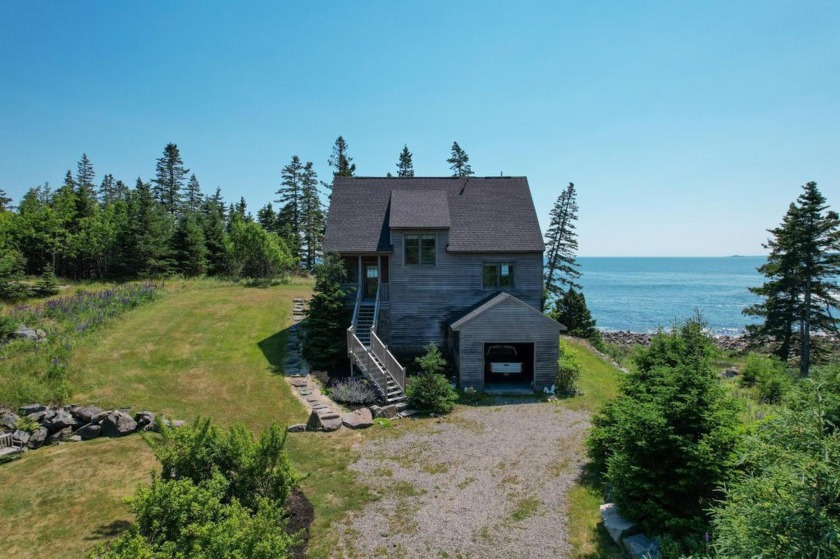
204 349
599 383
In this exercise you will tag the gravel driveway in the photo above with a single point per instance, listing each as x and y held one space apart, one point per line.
482 482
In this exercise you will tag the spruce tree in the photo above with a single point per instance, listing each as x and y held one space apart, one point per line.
802 272
311 217
215 237
323 342
193 197
405 167
290 194
86 193
149 240
459 162
267 217
561 244
107 189
48 284
340 161
4 201
571 311
170 175
190 246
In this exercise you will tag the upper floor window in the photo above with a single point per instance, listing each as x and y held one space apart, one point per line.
420 250
497 274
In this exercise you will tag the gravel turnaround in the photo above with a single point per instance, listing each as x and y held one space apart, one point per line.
483 482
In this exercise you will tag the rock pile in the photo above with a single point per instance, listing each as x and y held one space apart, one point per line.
627 535
72 423
630 339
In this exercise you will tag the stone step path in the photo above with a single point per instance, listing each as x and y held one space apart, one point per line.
295 365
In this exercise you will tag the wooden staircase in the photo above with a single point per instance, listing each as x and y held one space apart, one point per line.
364 322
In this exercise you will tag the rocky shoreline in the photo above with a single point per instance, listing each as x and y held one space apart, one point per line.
630 339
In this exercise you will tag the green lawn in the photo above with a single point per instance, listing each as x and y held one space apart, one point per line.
204 349
599 383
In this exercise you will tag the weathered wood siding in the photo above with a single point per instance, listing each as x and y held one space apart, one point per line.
423 298
508 322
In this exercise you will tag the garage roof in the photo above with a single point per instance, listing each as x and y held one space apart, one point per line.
471 313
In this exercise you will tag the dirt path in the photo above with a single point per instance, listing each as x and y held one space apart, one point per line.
483 482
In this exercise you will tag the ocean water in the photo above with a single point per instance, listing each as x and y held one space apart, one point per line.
642 294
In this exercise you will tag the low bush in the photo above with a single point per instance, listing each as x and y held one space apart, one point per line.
48 284
758 365
430 390
774 385
353 391
568 372
8 324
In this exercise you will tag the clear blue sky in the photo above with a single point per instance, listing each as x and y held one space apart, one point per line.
686 126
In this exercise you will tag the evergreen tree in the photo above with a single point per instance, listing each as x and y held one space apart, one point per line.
215 238
193 197
107 189
323 342
148 244
290 195
561 244
570 310
405 167
241 210
190 247
340 161
267 217
170 175
48 284
459 162
86 193
311 217
4 201
802 286
121 191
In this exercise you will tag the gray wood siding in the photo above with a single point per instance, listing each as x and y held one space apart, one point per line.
424 297
510 322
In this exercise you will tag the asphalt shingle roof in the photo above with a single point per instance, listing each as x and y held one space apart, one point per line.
470 313
491 214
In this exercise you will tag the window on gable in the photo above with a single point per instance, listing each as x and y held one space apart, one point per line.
497 274
420 250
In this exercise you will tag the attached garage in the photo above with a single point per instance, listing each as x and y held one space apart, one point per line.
503 340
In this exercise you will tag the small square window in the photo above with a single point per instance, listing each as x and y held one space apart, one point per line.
497 274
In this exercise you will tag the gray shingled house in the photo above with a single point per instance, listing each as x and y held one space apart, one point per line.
455 261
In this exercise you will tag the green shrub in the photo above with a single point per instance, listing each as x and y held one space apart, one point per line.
758 365
665 442
8 324
430 390
48 284
353 391
26 424
773 385
568 372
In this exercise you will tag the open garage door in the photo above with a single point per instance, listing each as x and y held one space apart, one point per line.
509 363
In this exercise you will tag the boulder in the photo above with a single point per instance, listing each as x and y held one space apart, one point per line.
9 420
297 428
100 417
358 419
323 421
144 419
616 525
38 437
729 373
31 408
59 420
89 431
85 414
389 411
60 436
118 424
25 333
37 416
641 547
41 334
21 437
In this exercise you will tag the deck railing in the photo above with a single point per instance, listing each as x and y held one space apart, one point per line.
361 357
376 310
392 366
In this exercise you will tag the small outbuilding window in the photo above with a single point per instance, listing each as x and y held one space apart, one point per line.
420 250
497 274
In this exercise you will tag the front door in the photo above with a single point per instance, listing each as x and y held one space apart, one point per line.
371 280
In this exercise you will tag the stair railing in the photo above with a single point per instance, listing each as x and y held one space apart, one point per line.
358 304
362 358
376 311
392 366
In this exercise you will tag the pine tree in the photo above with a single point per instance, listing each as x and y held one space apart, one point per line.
459 162
193 197
107 189
4 201
561 244
149 239
121 191
323 341
290 195
267 217
86 193
405 167
571 311
343 164
190 248
170 175
311 217
215 238
48 284
802 286
241 211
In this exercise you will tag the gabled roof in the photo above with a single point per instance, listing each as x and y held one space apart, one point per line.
475 311
491 214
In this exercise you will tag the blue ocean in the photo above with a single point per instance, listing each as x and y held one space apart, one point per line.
642 294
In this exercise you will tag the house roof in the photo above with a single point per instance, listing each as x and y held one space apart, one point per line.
475 311
490 214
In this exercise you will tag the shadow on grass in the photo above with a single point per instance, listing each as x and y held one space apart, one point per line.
274 350
109 531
